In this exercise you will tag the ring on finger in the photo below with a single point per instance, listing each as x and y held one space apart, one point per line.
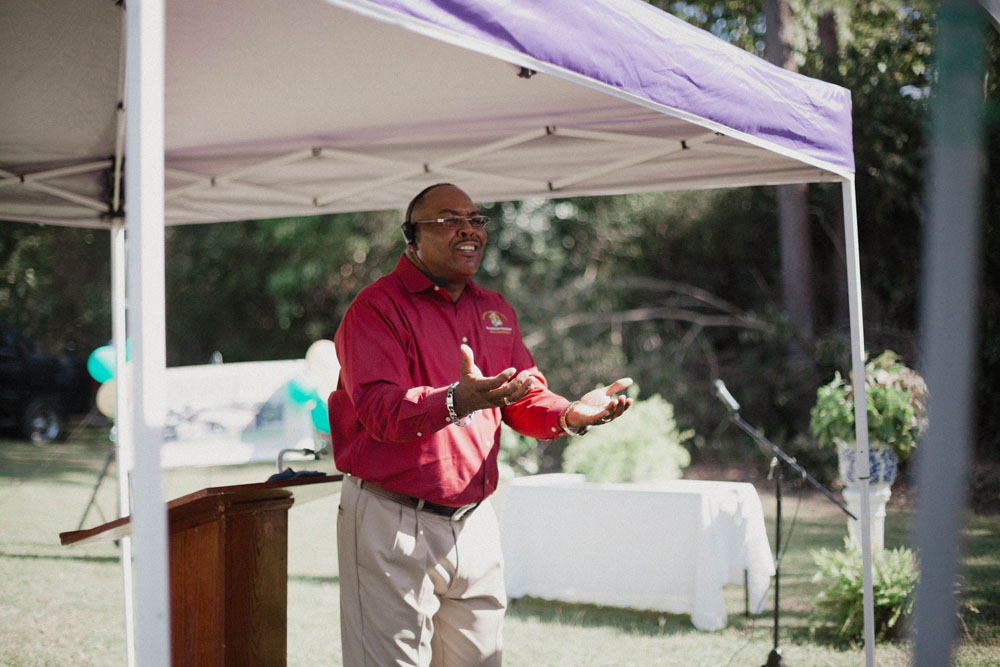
506 401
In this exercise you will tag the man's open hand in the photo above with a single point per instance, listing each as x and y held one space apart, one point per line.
600 406
477 392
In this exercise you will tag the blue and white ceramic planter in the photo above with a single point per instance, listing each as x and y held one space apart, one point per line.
882 461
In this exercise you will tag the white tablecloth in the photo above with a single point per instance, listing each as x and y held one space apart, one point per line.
667 546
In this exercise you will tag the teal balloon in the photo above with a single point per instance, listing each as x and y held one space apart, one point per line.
302 389
101 363
320 417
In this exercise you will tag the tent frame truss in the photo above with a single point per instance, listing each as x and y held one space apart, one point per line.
259 176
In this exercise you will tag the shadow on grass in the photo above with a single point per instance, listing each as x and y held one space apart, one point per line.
826 635
61 557
635 621
805 535
312 579
980 583
793 626
77 463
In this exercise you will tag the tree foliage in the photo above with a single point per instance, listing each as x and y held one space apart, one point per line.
268 289
55 285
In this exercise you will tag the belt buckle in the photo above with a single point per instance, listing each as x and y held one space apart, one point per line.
462 511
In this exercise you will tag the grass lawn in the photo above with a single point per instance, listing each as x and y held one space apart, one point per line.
64 605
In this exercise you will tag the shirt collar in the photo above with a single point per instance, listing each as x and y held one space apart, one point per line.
416 281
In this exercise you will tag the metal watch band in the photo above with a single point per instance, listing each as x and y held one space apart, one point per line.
449 401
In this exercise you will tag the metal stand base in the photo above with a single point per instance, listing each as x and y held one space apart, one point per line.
775 659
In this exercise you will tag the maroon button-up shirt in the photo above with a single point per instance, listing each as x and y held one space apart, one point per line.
398 347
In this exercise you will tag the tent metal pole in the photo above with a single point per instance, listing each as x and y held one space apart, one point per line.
116 174
124 446
948 322
86 202
862 468
35 182
631 160
37 176
144 146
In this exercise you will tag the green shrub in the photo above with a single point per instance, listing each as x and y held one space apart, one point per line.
840 601
642 444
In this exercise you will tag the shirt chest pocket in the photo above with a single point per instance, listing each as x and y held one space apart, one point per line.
493 351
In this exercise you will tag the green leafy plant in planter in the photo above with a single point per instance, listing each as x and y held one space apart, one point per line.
896 399
840 602
642 444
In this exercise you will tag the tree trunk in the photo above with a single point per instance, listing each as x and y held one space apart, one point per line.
830 48
796 264
793 205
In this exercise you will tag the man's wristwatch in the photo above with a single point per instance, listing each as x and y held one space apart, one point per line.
449 401
565 427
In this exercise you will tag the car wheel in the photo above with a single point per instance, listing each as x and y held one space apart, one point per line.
42 421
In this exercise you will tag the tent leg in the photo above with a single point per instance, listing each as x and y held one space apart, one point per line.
860 411
951 258
123 434
144 181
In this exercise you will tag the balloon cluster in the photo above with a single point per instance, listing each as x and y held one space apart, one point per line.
313 387
310 389
101 366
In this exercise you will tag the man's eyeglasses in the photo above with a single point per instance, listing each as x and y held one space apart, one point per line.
456 221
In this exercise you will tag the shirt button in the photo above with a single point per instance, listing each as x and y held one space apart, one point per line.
419 434
553 429
447 419
465 339
436 288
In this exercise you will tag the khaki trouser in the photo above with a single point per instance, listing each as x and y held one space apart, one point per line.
417 588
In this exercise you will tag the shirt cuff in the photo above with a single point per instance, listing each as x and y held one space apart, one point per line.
437 410
552 419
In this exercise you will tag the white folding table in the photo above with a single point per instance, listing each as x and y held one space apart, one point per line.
667 546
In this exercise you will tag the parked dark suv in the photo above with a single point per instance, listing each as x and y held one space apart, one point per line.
39 390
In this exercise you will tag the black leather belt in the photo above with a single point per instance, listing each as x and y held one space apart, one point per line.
453 513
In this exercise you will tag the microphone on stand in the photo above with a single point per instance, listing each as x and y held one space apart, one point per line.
774 658
724 396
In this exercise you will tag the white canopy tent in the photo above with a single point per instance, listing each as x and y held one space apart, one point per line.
248 109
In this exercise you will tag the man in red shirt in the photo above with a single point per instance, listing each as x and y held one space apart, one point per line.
430 365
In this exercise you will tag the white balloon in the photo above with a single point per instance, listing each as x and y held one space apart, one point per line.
105 398
321 353
325 387
321 359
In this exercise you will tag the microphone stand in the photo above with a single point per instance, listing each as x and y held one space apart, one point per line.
774 658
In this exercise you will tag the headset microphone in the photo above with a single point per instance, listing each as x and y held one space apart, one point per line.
437 280
409 232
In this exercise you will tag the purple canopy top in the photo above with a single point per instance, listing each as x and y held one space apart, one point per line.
637 49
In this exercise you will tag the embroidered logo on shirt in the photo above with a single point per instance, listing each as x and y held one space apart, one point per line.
494 322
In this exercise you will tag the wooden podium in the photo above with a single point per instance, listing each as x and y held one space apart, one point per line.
228 569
